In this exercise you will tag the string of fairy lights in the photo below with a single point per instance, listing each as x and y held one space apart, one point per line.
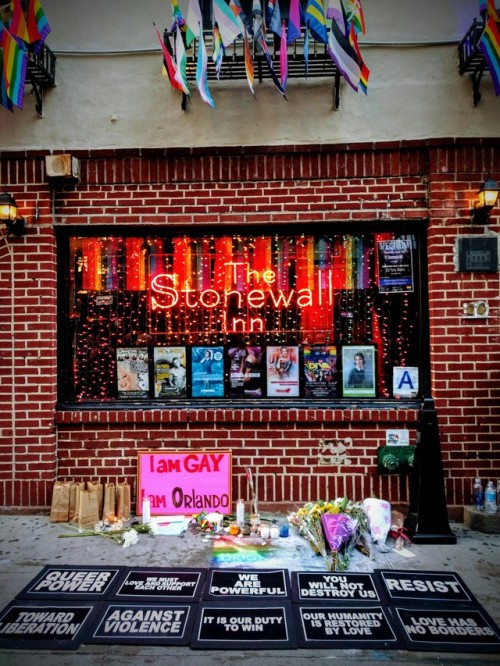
231 290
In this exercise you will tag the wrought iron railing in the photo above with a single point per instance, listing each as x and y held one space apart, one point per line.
471 58
41 73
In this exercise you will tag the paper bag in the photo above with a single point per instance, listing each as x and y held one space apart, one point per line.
88 514
59 510
97 487
123 501
75 500
109 507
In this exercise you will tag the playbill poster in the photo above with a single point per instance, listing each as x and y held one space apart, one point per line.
395 268
320 368
132 372
170 372
245 372
207 372
358 371
282 371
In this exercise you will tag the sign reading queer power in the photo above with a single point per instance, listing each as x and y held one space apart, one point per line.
184 482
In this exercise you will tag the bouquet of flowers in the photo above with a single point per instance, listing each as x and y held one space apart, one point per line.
332 528
124 536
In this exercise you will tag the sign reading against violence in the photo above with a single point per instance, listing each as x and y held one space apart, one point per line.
325 586
343 628
51 625
135 624
184 482
425 586
67 582
253 584
237 626
450 630
179 584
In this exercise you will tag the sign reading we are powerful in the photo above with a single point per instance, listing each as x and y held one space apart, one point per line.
184 482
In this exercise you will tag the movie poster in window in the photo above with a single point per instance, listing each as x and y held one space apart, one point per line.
358 371
320 371
395 267
207 372
132 372
170 372
283 371
245 372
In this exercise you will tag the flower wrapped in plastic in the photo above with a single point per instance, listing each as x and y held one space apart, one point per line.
378 513
346 522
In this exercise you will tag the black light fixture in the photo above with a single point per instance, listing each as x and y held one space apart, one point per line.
487 198
14 223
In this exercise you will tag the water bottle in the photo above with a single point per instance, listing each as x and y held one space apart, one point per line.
490 498
477 494
498 495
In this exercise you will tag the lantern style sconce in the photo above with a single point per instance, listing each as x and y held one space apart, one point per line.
14 223
487 198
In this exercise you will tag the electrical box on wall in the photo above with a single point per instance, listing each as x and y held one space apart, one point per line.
62 166
477 253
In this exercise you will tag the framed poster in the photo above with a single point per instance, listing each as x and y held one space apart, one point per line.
184 482
245 372
358 371
132 372
283 371
395 267
170 372
320 371
207 372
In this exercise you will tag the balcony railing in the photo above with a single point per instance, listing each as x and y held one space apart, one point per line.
318 64
471 58
41 73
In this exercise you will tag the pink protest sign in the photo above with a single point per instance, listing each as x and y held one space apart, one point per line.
184 482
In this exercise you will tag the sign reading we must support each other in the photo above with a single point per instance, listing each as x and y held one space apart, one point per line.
184 482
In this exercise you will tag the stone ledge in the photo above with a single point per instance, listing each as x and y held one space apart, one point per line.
481 521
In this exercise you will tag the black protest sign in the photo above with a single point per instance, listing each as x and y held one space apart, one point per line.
444 629
252 584
33 625
68 582
339 627
181 584
338 587
238 626
143 624
424 587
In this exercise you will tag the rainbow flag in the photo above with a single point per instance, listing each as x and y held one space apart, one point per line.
38 26
364 71
4 98
18 27
15 60
490 46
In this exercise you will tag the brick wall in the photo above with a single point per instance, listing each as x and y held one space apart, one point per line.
291 185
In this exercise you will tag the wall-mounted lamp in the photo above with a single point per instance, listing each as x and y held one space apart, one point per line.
487 198
15 223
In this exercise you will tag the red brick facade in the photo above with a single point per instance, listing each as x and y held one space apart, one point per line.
289 185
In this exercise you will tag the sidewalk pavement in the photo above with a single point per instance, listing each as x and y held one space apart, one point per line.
28 543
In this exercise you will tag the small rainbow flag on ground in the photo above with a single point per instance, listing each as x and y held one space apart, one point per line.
490 46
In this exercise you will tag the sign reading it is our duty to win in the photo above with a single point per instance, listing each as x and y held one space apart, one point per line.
184 482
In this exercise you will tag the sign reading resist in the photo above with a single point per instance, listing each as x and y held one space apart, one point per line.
425 586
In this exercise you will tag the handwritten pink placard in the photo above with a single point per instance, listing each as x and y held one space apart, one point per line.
184 482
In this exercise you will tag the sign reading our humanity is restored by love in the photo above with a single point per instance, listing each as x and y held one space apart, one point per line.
184 482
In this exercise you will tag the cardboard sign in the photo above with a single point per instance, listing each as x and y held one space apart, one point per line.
184 482
67 582
467 630
241 626
256 584
341 587
338 627
178 584
134 624
34 625
425 586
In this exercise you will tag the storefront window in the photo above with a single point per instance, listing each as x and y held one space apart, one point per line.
316 317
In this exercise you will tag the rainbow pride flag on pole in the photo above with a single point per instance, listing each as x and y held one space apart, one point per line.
38 25
490 46
15 60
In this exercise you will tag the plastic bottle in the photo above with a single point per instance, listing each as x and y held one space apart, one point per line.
477 494
490 498
498 495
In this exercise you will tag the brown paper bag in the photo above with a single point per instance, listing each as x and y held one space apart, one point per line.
123 500
109 507
59 510
97 487
75 507
88 514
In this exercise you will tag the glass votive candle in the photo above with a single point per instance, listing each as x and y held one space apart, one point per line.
274 532
264 531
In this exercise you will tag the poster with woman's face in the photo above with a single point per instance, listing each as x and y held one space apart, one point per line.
207 372
358 371
282 366
132 372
